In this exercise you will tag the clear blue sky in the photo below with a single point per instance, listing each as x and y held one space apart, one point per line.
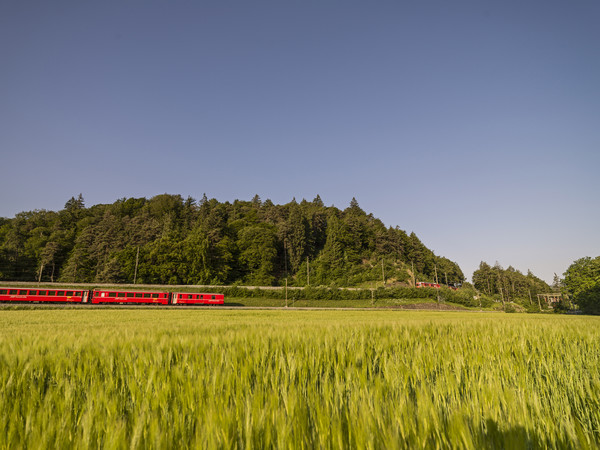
475 124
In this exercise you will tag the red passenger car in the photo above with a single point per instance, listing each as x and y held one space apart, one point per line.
152 298
184 298
43 295
429 285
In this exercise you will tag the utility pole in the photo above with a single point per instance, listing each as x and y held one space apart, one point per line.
286 292
137 258
382 273
436 282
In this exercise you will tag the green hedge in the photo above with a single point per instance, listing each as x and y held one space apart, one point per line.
462 296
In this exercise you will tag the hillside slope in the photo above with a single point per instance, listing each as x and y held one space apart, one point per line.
170 240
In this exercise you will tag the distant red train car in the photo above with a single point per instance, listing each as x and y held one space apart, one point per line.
429 285
152 298
185 298
43 295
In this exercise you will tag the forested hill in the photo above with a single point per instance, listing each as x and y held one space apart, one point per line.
181 241
509 284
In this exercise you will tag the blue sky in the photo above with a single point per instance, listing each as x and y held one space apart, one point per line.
475 124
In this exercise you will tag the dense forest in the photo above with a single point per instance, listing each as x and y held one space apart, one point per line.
171 240
508 285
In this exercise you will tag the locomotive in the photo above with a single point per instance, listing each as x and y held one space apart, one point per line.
97 296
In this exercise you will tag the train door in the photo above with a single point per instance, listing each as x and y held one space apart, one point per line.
85 296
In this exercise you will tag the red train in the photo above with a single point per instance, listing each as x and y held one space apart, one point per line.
39 295
421 284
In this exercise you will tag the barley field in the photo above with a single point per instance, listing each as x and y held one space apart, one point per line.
297 379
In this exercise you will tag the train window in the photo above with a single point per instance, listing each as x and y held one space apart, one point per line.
51 293
78 294
22 292
146 295
112 294
3 291
42 293
139 295
13 292
121 294
69 293
59 293
32 292
130 294
154 295
213 297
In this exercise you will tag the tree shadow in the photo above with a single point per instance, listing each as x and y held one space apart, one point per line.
519 437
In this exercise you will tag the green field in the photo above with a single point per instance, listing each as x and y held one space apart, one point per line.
297 379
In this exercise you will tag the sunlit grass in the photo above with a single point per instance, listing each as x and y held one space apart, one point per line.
326 379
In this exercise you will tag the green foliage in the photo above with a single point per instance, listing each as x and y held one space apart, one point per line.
258 253
465 297
563 306
508 285
171 240
582 280
284 379
589 300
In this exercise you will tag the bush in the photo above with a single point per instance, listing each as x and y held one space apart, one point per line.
463 296
589 300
